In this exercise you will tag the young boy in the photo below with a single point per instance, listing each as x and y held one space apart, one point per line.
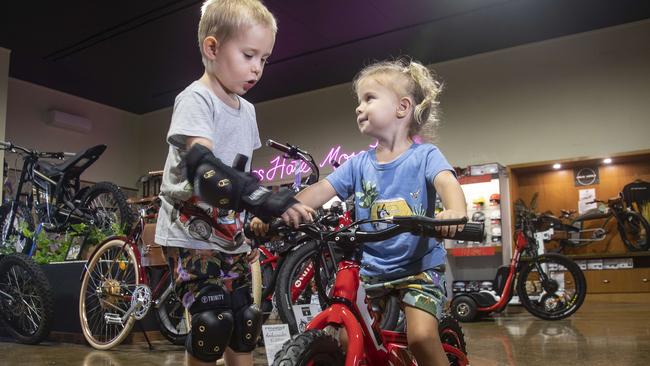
210 268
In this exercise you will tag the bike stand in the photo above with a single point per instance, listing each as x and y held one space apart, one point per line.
145 335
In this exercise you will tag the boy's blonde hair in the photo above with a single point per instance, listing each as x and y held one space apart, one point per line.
223 18
409 78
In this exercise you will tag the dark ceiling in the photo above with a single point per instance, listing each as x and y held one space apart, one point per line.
137 55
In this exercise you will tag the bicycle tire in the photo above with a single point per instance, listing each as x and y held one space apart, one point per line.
117 211
170 314
313 347
14 237
451 333
634 231
545 302
39 312
112 260
293 264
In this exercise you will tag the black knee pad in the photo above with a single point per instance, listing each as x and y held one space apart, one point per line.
212 324
248 322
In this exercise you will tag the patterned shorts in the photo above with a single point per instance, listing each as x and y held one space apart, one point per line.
193 269
425 291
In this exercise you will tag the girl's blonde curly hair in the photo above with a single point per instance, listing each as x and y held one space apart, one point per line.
410 78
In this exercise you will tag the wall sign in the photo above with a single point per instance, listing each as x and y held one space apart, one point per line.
279 167
585 176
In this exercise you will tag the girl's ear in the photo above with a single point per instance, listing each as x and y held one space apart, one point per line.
404 107
210 47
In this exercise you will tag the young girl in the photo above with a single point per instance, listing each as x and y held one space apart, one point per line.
398 106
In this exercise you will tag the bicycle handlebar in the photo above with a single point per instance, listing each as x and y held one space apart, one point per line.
295 153
6 145
417 225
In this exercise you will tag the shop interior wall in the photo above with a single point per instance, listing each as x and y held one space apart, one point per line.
28 106
581 95
4 80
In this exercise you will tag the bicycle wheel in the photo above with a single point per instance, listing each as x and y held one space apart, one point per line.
295 265
107 287
314 347
109 208
551 286
26 300
452 334
170 314
634 229
13 237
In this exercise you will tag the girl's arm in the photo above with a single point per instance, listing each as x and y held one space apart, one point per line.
312 197
453 199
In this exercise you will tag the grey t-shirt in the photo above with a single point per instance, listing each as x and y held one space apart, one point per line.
198 112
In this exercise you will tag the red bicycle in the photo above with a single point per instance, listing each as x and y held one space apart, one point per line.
550 286
295 274
367 343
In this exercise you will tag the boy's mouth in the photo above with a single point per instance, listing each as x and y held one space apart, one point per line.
249 84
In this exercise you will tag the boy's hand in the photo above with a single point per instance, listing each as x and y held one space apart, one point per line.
297 214
259 227
450 230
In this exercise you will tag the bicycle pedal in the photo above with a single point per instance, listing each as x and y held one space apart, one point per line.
112 318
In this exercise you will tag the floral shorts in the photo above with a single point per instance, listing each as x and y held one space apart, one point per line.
194 269
425 291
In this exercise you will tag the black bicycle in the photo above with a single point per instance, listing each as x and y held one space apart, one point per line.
54 196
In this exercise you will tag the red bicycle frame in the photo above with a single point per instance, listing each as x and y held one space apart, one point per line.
367 344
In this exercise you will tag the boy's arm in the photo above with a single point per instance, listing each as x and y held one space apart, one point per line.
453 199
191 140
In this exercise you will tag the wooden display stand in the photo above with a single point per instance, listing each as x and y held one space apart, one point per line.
557 190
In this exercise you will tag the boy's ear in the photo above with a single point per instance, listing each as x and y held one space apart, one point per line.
404 106
210 47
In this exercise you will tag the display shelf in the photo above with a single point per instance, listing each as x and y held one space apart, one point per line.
608 255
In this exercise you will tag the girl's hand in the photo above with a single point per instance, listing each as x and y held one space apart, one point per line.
298 214
259 227
253 256
450 230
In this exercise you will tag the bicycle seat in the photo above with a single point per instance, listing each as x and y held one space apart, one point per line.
73 166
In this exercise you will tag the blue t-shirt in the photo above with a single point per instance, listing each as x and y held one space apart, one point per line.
401 187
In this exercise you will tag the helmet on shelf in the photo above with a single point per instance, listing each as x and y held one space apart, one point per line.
495 199
478 216
478 202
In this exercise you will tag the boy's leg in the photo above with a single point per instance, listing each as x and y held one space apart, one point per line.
423 339
233 358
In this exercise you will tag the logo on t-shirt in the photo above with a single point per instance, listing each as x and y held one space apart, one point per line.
388 208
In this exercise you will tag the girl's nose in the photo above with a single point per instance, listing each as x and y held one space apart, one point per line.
358 110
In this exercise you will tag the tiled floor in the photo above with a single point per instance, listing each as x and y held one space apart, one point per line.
599 334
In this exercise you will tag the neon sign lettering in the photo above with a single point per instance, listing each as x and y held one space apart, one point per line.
279 167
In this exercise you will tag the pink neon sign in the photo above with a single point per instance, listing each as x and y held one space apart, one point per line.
278 168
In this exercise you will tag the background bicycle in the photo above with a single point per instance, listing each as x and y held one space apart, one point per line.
124 279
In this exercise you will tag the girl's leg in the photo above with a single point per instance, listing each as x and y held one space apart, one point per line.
423 339
233 358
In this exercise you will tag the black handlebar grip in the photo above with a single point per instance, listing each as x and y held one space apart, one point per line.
473 231
278 146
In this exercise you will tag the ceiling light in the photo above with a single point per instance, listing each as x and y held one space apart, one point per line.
557 166
607 161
